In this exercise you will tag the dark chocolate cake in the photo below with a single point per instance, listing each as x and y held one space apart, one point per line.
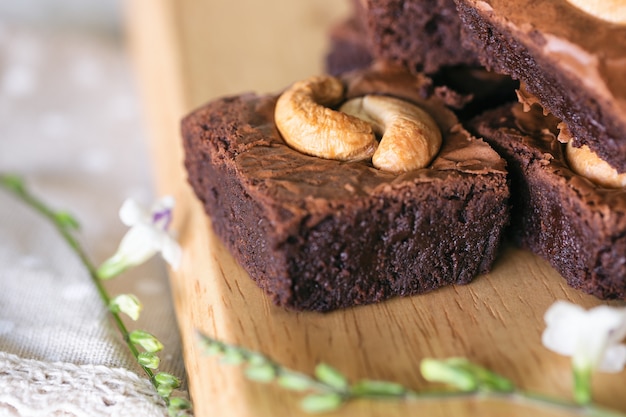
578 226
423 35
574 62
321 234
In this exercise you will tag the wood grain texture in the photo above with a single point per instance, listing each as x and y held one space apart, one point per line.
190 51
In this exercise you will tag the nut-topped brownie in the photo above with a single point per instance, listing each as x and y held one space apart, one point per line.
579 226
570 54
318 233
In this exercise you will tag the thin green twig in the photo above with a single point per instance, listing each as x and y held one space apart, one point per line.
65 226
378 390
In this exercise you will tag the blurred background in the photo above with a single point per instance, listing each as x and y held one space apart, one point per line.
69 108
90 15
71 124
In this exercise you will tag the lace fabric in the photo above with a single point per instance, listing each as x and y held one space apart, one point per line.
34 388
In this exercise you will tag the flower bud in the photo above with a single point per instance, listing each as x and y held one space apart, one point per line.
149 360
321 403
464 375
177 406
13 182
66 220
127 304
166 383
264 372
164 391
165 380
330 376
448 372
294 381
146 341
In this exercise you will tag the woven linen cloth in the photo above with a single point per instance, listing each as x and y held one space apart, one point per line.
70 125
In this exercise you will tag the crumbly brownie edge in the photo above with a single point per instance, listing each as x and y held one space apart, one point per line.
557 214
237 219
383 258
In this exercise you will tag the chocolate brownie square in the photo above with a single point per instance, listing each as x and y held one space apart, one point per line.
321 234
574 62
576 225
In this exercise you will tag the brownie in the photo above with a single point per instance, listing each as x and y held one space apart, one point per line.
573 62
348 49
577 226
423 35
320 234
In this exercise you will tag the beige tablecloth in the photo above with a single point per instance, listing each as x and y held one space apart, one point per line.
70 124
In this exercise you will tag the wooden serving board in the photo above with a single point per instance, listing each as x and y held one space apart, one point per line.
188 52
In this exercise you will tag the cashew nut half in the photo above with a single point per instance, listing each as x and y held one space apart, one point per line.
410 136
587 163
613 11
309 126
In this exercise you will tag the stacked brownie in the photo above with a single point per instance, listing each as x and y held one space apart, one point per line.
573 67
320 234
571 63
578 226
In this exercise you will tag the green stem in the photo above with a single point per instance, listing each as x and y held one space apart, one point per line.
518 397
14 185
582 385
314 385
522 398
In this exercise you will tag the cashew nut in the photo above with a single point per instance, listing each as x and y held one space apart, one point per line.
613 11
309 126
410 136
587 163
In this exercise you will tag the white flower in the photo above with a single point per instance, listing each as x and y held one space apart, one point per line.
592 338
148 235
